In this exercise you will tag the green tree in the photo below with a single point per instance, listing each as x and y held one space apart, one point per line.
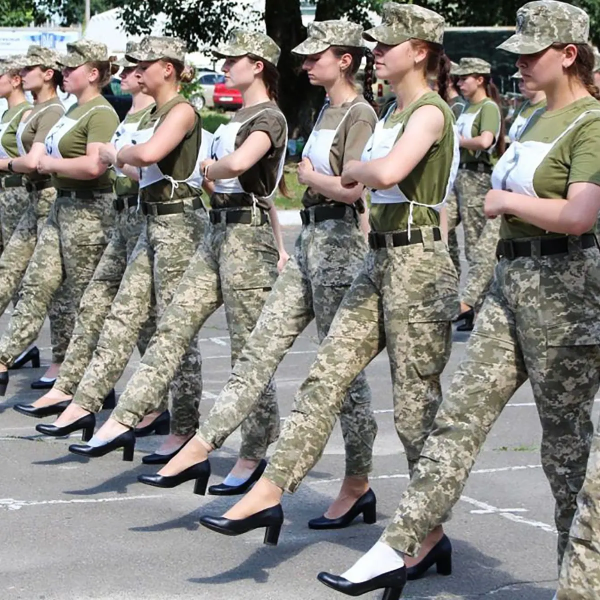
69 12
16 14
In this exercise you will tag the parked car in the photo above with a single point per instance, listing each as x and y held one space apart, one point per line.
228 98
204 96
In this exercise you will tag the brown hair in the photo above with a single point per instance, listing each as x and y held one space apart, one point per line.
493 93
57 77
437 64
357 55
105 71
583 67
183 73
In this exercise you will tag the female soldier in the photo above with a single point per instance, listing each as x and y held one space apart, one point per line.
329 253
406 293
41 76
104 285
14 199
80 222
481 128
237 265
165 147
540 318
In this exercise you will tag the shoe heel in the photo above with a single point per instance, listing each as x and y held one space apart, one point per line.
3 386
87 434
163 429
272 535
444 565
128 452
35 361
200 486
392 594
370 514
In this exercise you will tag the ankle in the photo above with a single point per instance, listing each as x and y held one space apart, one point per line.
354 486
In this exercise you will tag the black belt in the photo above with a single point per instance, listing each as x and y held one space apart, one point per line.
123 202
322 213
12 181
478 167
38 186
159 209
380 240
83 194
243 217
511 249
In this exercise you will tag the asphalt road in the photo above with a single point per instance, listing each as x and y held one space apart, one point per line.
73 529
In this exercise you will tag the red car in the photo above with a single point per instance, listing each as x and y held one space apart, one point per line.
225 97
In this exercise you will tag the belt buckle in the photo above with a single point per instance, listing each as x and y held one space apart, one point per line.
304 217
214 217
509 249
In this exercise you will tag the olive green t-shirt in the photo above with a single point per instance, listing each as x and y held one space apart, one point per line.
574 158
179 163
527 111
488 119
96 123
125 186
428 181
349 141
13 116
38 122
457 105
261 178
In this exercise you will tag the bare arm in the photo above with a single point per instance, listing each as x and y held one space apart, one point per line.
481 142
331 187
276 225
27 163
84 167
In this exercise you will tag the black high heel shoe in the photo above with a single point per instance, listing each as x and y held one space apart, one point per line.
3 382
468 317
161 459
270 518
200 472
366 505
440 556
87 424
33 355
235 490
392 582
126 441
40 384
39 412
160 426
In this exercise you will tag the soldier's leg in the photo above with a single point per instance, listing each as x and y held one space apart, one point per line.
13 204
453 218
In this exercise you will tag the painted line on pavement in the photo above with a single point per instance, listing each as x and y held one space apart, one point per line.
12 504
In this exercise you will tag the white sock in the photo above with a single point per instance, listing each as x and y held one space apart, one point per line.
96 442
21 355
48 379
380 559
232 480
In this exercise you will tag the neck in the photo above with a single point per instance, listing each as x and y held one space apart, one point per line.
451 93
44 94
410 88
164 95
537 98
140 102
256 93
88 94
16 97
340 92
478 96
565 92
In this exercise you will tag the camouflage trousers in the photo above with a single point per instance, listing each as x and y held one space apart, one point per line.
471 188
68 249
158 261
14 261
580 574
404 298
481 268
539 321
327 257
98 298
236 266
13 203
453 222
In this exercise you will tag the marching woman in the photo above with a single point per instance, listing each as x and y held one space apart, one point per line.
481 128
329 253
165 148
41 77
14 198
236 266
81 219
540 319
102 289
407 292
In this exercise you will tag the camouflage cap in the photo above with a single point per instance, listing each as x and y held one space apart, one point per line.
324 34
153 48
543 23
242 42
401 22
130 48
472 66
40 56
453 67
11 64
81 52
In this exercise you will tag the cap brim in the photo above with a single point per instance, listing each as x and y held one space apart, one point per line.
123 62
69 62
383 35
465 72
229 52
310 47
523 44
136 58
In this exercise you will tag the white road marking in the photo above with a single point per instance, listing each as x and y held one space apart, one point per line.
12 504
219 341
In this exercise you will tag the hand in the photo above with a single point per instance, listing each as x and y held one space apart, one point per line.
107 154
204 165
283 258
305 170
348 179
119 162
461 140
46 165
495 203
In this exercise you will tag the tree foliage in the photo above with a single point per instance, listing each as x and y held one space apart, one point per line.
69 12
16 14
